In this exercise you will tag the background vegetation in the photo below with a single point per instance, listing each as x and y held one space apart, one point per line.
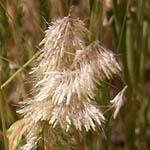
121 25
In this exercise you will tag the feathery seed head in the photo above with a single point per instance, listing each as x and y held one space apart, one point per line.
67 75
61 41
98 60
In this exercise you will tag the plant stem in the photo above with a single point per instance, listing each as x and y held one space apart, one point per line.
140 50
143 52
62 8
2 113
123 26
131 117
96 20
19 70
130 51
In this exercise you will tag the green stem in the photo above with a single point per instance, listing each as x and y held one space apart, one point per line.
96 20
140 12
130 51
2 113
19 70
143 53
130 123
123 26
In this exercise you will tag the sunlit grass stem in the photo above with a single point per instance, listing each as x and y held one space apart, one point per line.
19 70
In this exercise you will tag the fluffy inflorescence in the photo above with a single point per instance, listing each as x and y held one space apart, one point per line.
67 74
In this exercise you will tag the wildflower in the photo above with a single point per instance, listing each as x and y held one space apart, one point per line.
118 101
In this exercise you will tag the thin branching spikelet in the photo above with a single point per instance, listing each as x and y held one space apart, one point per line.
118 101
66 75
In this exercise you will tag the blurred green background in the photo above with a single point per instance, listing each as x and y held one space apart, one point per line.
121 25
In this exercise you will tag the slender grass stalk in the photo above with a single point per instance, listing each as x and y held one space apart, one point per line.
96 20
130 124
130 51
116 20
91 4
146 122
89 140
2 113
21 69
68 4
6 59
62 8
120 14
123 26
143 52
140 13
